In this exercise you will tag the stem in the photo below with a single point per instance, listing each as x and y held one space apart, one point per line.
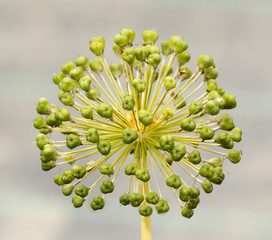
146 228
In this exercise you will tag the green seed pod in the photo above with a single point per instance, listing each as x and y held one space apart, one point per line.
167 113
124 200
152 198
96 65
135 199
210 73
145 117
220 90
141 53
139 84
46 166
204 61
92 135
116 70
129 135
38 122
104 110
67 177
106 169
180 103
154 59
166 142
67 189
128 55
223 138
48 153
178 152
98 39
128 102
82 62
234 156
211 85
87 112
230 145
45 130
76 73
173 181
167 157
184 193
85 82
162 206
178 44
66 99
230 101
58 77
213 95
185 72
188 124
215 162
194 192
131 169
152 49
129 33
206 171
212 107
58 180
236 134
97 203
104 147
121 40
107 186
73 141
150 36
226 122
145 210
206 133
194 157
78 171
169 83
183 58
62 114
142 174
77 201
218 176
117 50
43 106
97 47
195 107
193 202
82 191
93 93
187 212
67 67
165 47
207 186
66 85
52 121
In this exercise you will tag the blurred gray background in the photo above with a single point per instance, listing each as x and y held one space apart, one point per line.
37 37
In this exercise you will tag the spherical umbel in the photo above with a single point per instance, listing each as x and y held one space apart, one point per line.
145 113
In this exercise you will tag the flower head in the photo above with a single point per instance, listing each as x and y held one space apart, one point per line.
140 115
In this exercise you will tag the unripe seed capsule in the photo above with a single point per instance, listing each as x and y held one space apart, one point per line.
145 210
104 147
166 142
162 206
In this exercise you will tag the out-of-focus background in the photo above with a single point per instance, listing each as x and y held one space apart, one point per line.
37 37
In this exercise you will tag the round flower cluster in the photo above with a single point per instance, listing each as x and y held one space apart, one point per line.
141 116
